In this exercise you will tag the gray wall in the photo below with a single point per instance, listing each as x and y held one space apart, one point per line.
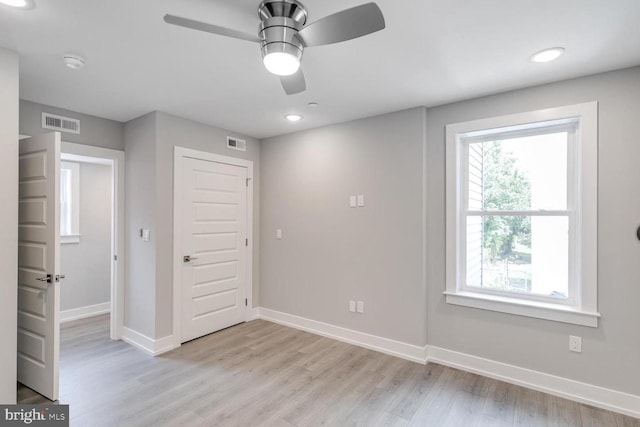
8 223
150 142
611 353
140 202
331 253
87 264
93 130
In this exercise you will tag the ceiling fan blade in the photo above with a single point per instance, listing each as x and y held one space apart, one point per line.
209 28
341 26
294 83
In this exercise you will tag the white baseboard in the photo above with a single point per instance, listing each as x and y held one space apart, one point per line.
599 397
254 313
399 349
149 345
84 312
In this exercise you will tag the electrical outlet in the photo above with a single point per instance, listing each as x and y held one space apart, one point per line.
352 202
575 344
360 200
360 306
278 233
352 306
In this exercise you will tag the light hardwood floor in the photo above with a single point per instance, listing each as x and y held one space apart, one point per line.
263 374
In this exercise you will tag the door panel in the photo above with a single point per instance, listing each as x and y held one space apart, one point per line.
38 242
214 230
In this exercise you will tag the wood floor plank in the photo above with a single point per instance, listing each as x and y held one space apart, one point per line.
531 408
263 374
501 401
562 412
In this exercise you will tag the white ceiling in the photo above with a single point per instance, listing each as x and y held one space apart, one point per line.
432 52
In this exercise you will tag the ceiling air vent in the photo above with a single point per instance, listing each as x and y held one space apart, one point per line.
236 144
59 123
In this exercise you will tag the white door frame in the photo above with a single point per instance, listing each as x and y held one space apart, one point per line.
178 180
116 159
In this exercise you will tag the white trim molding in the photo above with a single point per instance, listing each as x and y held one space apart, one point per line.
254 314
388 346
150 346
540 310
589 394
84 312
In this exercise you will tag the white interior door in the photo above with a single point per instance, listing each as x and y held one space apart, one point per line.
214 233
39 264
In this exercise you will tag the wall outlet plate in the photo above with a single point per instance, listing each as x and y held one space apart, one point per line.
575 344
360 307
352 306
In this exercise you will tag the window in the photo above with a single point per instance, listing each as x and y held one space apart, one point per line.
69 202
522 214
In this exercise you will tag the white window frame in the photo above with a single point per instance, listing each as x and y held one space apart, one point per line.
74 235
582 206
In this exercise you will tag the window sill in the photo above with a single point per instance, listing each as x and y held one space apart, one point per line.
556 312
69 238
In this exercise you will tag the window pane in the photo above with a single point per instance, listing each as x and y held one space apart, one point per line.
519 173
520 254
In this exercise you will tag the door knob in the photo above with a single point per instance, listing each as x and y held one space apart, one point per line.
188 258
49 279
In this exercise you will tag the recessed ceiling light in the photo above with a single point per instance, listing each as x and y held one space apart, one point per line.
15 3
313 104
547 54
74 62
293 117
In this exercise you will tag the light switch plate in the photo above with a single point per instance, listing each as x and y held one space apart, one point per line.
360 200
352 306
352 202
279 233
146 235
360 308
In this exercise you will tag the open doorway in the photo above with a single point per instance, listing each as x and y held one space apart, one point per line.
86 214
92 234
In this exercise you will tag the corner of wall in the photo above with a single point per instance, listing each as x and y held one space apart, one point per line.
8 223
140 263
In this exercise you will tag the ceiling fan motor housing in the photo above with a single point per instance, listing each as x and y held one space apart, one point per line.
280 22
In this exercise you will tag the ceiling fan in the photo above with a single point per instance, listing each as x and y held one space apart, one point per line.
283 34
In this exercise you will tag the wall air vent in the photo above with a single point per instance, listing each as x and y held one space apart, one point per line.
236 144
59 123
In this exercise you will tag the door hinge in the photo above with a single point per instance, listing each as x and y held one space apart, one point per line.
247 182
246 302
115 257
246 242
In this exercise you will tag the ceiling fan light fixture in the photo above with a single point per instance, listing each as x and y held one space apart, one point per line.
23 4
281 63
